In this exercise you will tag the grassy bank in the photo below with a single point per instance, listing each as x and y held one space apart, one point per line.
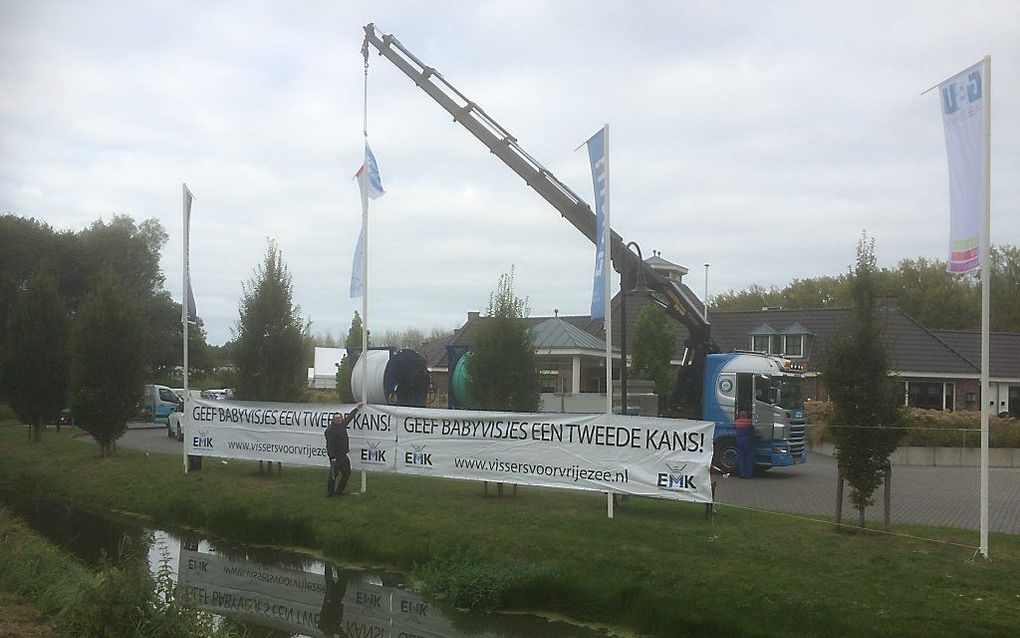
658 567
46 592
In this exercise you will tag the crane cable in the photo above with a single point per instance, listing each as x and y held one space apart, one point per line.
364 53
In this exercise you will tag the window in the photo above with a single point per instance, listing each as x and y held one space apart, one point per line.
794 346
931 395
760 343
167 395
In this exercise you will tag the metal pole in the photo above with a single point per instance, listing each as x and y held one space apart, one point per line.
184 323
607 290
623 344
706 291
986 278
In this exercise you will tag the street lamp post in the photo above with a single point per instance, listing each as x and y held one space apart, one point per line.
639 284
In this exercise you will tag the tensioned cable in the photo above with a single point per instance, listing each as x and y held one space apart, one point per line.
855 527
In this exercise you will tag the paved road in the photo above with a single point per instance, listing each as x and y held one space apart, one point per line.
943 496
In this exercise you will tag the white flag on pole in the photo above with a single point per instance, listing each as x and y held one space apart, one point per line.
371 187
962 98
190 310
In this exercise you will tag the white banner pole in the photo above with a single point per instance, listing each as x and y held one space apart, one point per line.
607 296
986 280
364 229
184 322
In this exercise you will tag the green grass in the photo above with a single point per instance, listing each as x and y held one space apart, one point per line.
119 599
657 568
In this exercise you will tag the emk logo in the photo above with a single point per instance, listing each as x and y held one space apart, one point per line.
373 453
676 479
418 457
202 440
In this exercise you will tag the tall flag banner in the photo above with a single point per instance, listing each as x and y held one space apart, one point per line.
357 268
963 118
371 187
600 178
192 316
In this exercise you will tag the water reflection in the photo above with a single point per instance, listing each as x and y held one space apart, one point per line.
273 593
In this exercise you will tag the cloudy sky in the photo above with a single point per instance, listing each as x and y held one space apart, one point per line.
761 138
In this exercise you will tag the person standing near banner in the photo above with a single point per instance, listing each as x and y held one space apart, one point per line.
337 446
745 445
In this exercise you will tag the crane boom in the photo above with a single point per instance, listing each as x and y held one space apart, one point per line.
677 298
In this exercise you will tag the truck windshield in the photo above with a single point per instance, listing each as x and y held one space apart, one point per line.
791 396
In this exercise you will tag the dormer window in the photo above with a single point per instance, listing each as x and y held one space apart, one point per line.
796 341
765 339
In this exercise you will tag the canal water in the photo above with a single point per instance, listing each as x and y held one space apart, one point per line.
272 592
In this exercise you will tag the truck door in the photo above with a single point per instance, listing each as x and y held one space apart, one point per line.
764 414
744 395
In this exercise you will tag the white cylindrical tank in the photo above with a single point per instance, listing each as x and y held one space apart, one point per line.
376 360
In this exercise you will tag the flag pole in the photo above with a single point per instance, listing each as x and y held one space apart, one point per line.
986 280
184 322
607 296
607 290
364 229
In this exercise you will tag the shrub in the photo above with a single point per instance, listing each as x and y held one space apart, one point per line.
930 428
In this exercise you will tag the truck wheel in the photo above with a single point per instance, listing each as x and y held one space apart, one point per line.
726 458
180 435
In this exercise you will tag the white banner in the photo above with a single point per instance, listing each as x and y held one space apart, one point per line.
644 456
962 99
291 433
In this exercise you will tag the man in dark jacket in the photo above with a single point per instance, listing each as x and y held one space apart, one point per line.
337 446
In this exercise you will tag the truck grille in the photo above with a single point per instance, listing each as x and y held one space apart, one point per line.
797 433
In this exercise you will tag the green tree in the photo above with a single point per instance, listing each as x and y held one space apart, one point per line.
33 356
1005 290
107 362
935 298
343 373
269 348
502 369
652 344
25 246
867 406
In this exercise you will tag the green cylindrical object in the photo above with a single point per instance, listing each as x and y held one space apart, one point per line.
459 382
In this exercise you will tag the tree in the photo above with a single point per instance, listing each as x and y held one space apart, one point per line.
33 356
653 342
107 361
867 406
343 373
1005 290
269 348
502 367
935 298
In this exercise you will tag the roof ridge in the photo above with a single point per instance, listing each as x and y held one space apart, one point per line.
934 336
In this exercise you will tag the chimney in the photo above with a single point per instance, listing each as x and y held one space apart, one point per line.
473 316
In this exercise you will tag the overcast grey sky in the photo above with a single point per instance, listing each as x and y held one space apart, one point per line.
759 137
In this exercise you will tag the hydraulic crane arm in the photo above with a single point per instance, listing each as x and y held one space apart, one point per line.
679 301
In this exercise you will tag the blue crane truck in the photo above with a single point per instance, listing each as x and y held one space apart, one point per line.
769 389
709 386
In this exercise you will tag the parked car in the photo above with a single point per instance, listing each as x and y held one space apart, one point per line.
173 425
218 395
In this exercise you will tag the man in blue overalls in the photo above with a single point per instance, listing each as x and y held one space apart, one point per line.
745 445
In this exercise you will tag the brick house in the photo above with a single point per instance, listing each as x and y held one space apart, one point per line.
936 369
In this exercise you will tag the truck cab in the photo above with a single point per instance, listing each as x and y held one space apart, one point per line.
768 388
